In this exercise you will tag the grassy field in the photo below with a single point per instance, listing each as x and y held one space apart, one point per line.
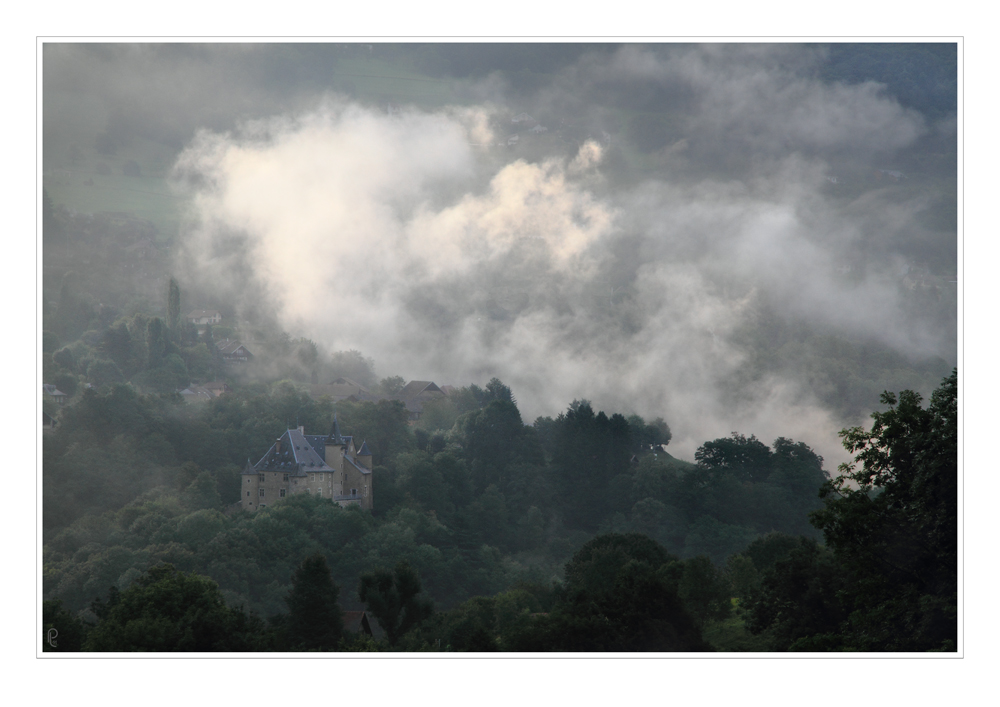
146 197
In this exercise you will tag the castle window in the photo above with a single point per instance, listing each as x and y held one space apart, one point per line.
281 493
285 477
354 492
260 476
248 494
262 493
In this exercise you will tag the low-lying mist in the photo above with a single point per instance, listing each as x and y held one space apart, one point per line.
456 244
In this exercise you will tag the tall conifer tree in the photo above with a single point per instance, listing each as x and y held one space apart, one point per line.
174 307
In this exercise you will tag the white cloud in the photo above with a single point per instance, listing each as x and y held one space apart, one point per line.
378 232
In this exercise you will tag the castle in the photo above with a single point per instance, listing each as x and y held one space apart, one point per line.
326 465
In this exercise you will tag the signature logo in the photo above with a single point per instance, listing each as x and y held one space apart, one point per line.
51 635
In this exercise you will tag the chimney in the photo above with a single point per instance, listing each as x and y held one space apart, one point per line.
302 429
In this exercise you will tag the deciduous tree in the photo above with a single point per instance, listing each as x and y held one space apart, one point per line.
891 518
166 610
393 598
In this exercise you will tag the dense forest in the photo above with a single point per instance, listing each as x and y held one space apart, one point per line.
509 536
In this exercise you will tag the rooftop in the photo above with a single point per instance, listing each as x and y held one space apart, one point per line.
298 455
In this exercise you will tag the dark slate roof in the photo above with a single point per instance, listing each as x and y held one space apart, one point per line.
229 346
417 387
357 466
412 404
318 443
196 392
335 437
354 622
363 452
297 456
357 621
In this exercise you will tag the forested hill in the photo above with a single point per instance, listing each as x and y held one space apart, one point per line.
476 566
761 233
131 480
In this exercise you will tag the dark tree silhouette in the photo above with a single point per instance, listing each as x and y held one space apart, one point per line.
393 598
315 620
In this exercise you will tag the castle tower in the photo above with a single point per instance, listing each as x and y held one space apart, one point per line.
335 444
364 456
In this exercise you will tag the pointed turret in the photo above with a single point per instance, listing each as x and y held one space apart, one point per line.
364 456
335 437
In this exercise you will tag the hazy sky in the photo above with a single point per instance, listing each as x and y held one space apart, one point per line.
420 237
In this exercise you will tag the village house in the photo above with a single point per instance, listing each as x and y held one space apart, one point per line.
196 394
414 396
205 316
421 392
56 394
339 389
216 388
233 351
356 622
329 466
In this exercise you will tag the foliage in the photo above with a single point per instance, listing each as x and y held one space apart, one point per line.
595 567
166 610
893 524
438 415
621 594
705 590
746 459
135 479
797 600
493 439
647 435
174 306
354 365
589 450
391 385
393 598
383 425
888 580
315 619
65 630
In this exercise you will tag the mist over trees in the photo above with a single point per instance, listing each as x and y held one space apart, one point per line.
653 280
844 153
500 559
